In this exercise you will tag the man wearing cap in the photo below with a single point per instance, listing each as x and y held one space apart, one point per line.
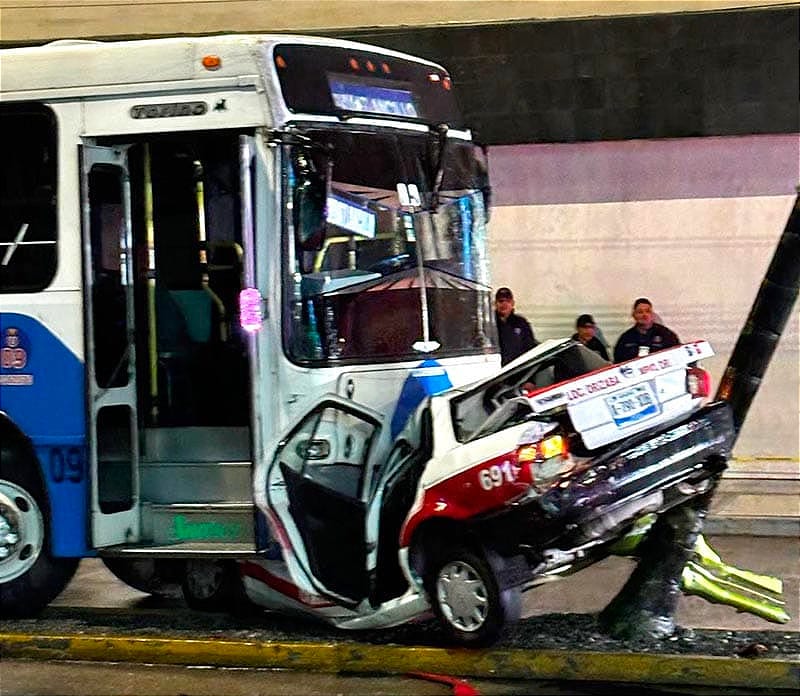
585 333
645 336
513 330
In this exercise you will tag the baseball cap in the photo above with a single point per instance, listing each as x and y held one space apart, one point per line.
585 320
504 294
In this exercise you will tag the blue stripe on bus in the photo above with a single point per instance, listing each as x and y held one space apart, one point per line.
42 391
425 380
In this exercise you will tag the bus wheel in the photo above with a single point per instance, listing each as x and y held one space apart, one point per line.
30 578
466 598
210 585
155 576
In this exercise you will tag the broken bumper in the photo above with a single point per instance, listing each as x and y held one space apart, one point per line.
705 575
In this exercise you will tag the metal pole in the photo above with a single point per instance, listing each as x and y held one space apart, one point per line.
152 348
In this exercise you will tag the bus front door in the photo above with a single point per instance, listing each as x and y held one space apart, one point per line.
110 345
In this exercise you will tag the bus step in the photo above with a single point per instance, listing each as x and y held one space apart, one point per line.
195 481
182 550
196 444
227 523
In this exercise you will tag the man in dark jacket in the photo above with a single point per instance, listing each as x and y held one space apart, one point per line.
585 333
646 336
513 330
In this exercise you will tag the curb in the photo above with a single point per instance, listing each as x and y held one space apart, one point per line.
745 525
643 668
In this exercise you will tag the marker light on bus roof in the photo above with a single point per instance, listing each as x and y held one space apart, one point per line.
212 62
250 309
444 79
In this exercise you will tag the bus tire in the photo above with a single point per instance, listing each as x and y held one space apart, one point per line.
212 585
155 576
30 576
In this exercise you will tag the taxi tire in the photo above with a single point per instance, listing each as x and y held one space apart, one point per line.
27 594
475 575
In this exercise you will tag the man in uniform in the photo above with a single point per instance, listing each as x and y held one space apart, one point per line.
514 331
646 336
585 332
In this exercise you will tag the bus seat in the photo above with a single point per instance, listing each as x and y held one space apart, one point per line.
545 377
171 329
225 267
335 254
188 329
174 356
197 309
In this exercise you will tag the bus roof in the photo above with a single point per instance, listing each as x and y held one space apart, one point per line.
71 67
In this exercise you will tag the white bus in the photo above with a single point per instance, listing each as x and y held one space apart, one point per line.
198 236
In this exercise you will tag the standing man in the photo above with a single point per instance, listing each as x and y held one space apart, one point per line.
645 336
585 333
513 330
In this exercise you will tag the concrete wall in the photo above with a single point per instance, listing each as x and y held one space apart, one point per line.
690 223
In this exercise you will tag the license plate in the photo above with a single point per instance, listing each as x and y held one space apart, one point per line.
632 405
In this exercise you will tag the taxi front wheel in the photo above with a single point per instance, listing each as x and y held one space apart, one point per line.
467 599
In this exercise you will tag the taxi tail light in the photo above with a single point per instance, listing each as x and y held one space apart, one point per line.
540 460
698 382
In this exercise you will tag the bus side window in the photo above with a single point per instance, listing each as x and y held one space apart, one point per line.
28 195
109 312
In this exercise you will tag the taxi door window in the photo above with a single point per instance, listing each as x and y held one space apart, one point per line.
331 448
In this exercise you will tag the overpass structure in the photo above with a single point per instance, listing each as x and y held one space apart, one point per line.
39 21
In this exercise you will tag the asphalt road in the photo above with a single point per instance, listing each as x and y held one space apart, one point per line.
29 677
556 646
585 592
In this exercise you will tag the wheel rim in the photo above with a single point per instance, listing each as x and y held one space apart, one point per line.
21 531
462 595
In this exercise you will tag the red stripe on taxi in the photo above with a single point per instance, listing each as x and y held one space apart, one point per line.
481 488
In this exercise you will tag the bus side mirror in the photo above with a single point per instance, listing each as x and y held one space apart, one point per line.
309 202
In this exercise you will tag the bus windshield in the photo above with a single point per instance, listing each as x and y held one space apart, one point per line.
397 263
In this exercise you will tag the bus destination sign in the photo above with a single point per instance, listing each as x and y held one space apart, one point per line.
354 95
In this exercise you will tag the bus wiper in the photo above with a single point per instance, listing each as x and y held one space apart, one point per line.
282 137
427 344
298 139
347 114
13 246
438 175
